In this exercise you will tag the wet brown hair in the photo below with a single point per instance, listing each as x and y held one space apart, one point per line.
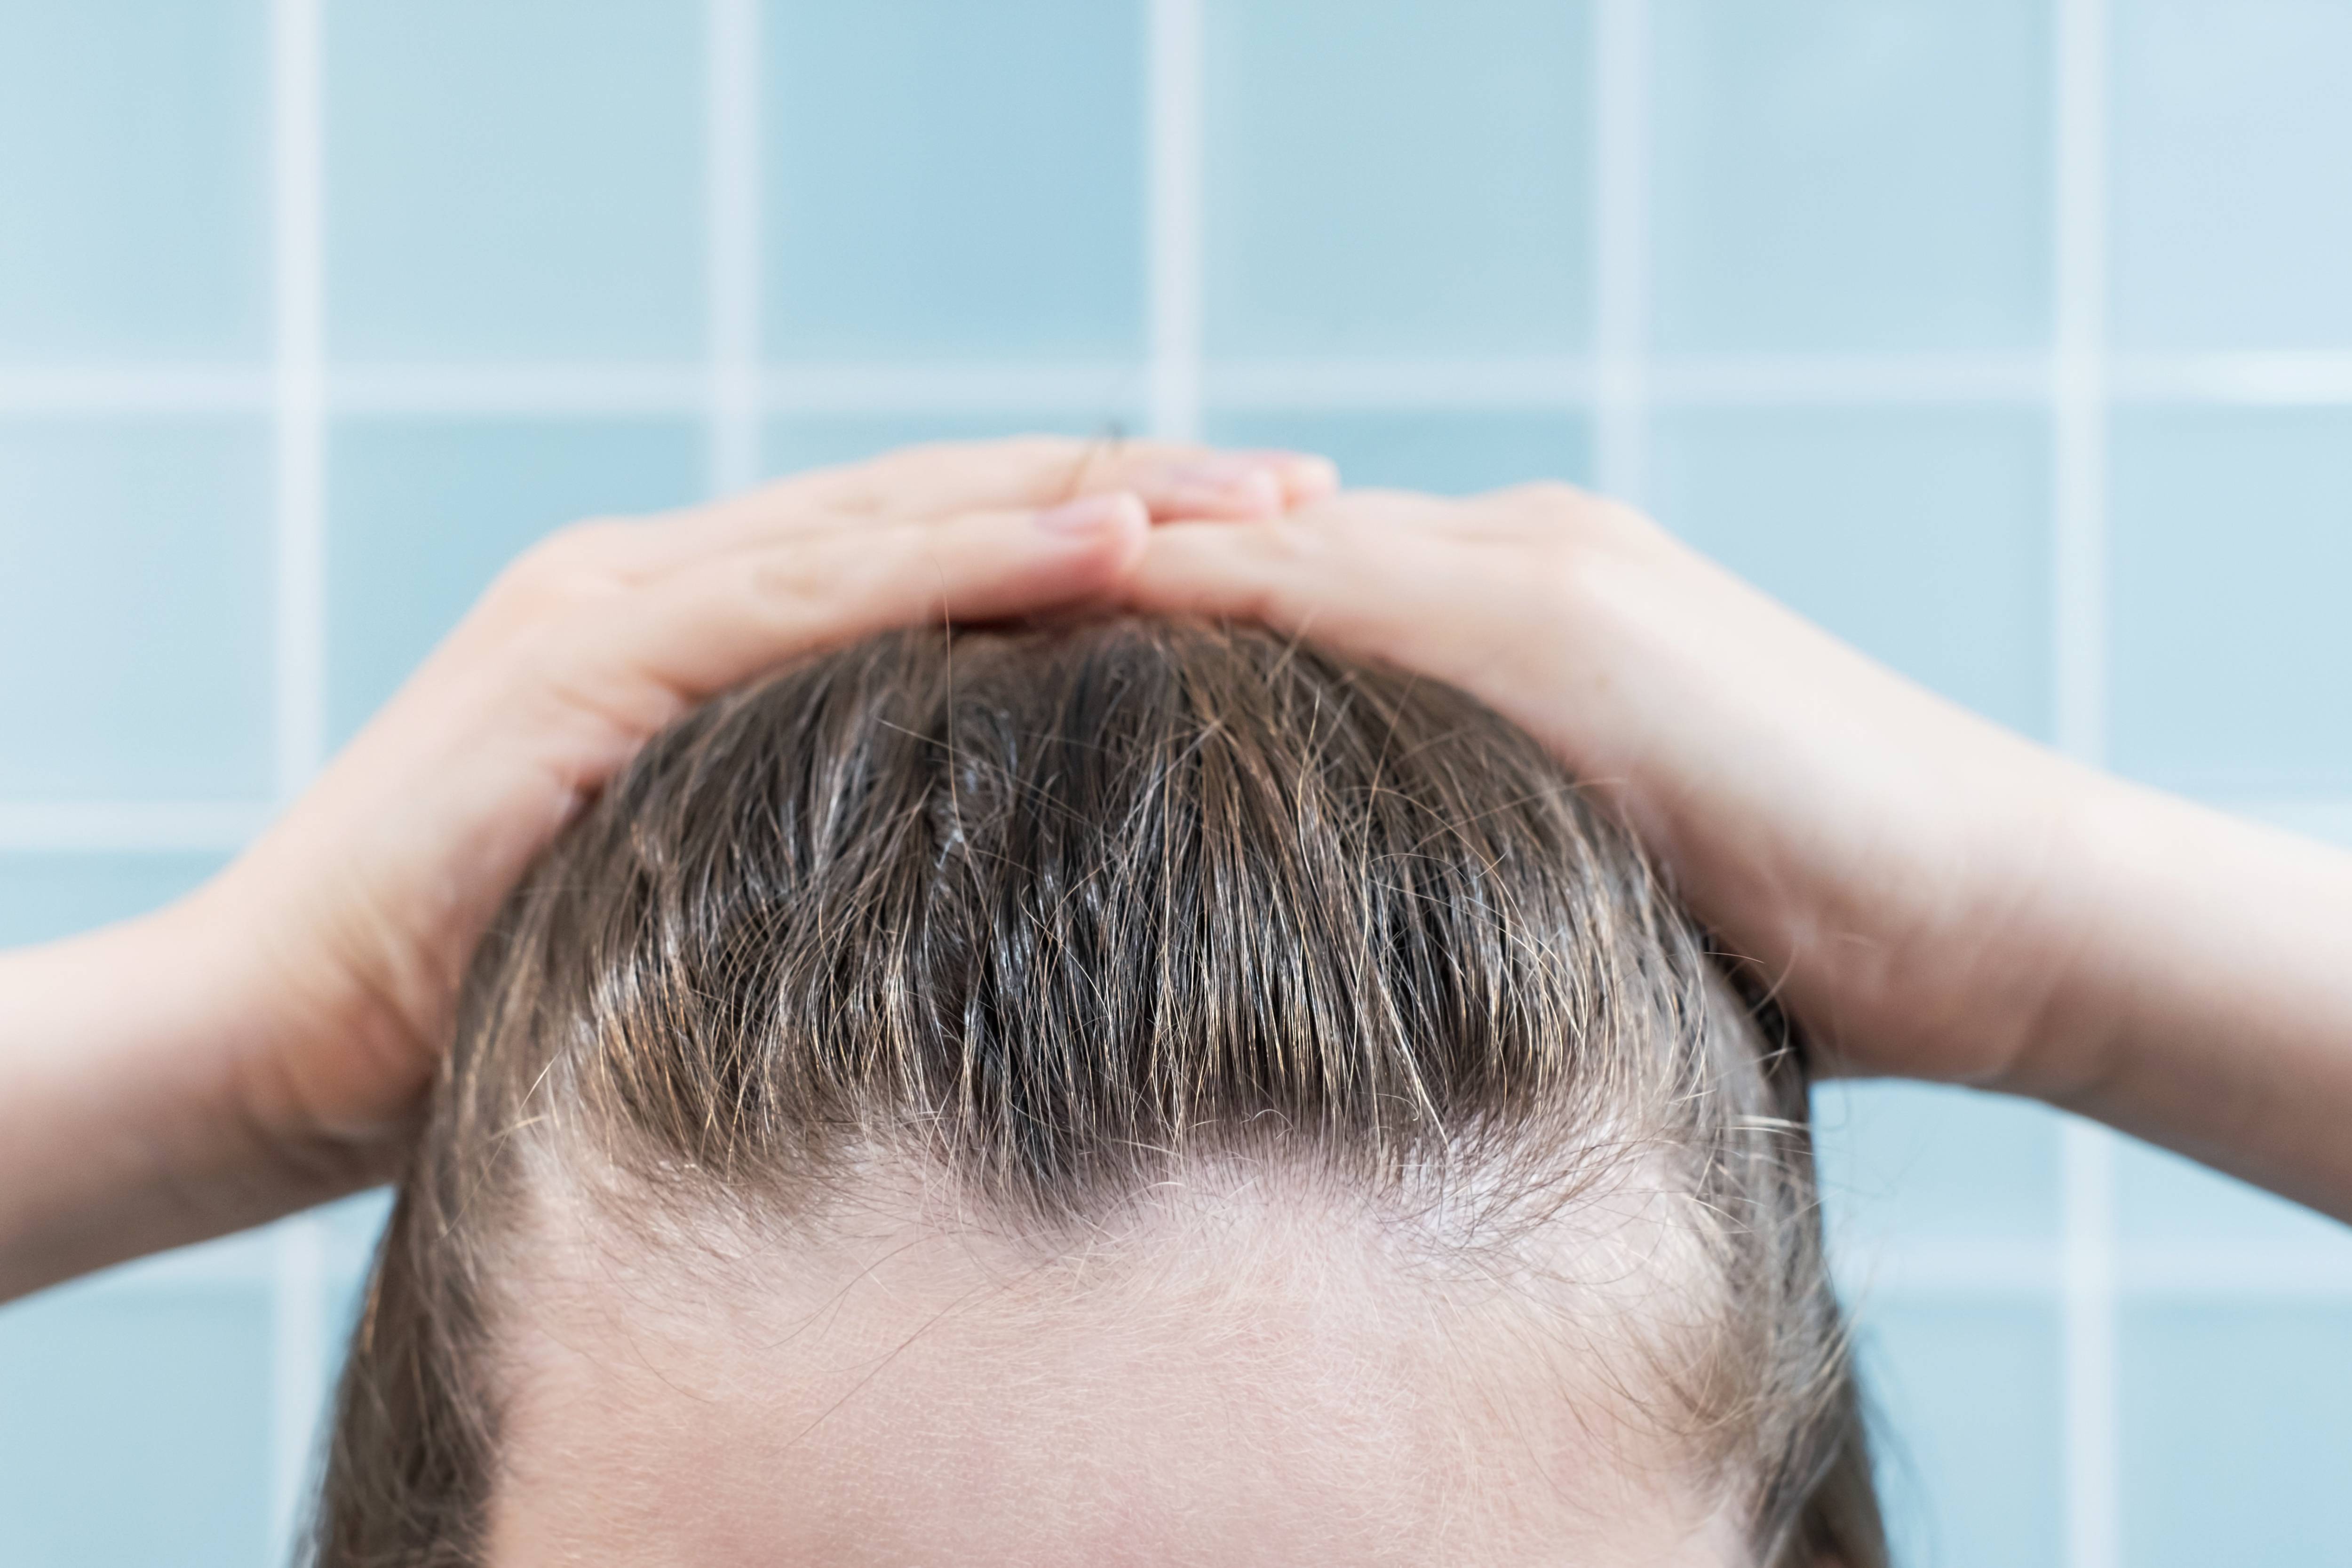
1050 912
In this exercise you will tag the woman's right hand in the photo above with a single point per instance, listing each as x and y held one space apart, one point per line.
1933 896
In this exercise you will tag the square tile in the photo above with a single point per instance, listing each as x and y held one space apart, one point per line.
135 166
2232 213
521 181
2163 1200
2230 550
1391 178
1851 174
1450 453
816 441
950 180
1968 1446
136 608
1921 535
1908 1163
134 1426
2237 1426
43 897
424 512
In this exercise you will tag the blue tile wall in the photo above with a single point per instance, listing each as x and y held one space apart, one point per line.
813 441
166 523
2230 550
1852 175
2237 1422
514 181
132 175
51 895
2233 210
134 1428
1393 178
952 214
946 181
1921 536
424 512
1927 1163
1969 1456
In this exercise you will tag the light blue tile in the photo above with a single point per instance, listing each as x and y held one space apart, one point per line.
134 609
816 441
1852 175
46 896
2233 210
2231 549
518 180
1970 1461
134 174
134 1428
1450 453
1904 1163
424 512
947 180
1919 534
2162 1199
354 1228
2237 1435
1391 178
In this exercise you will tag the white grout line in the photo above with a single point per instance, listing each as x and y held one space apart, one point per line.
1620 286
134 389
1173 244
1536 383
297 1292
2092 1439
1531 384
2276 380
128 827
733 158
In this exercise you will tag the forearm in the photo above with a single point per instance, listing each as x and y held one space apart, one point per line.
120 1126
2208 1004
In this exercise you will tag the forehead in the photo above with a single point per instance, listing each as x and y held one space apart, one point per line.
907 1393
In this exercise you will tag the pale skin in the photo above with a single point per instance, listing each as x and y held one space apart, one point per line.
1933 897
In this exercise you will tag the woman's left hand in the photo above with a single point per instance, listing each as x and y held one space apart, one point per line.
265 1043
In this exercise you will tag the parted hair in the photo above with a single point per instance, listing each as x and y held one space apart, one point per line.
1050 912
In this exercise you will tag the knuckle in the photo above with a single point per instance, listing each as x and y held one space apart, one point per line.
575 565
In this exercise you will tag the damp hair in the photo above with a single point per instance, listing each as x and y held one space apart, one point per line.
1051 913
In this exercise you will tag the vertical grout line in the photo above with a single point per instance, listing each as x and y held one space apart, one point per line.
1622 247
731 165
2079 410
299 1289
1173 244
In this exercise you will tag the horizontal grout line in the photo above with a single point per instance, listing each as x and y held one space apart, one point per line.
2216 1271
1520 382
129 826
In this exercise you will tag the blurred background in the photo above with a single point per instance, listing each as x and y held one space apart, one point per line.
2012 339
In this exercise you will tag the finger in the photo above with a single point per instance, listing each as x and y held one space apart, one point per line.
1387 588
723 619
1171 480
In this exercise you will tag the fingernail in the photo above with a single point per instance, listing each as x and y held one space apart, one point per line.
1223 472
1307 476
1088 514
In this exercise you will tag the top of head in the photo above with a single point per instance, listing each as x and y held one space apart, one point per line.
1096 948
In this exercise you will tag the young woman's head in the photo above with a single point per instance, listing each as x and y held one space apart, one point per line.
1135 1093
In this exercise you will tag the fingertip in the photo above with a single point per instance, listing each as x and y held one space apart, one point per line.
1104 514
1303 476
